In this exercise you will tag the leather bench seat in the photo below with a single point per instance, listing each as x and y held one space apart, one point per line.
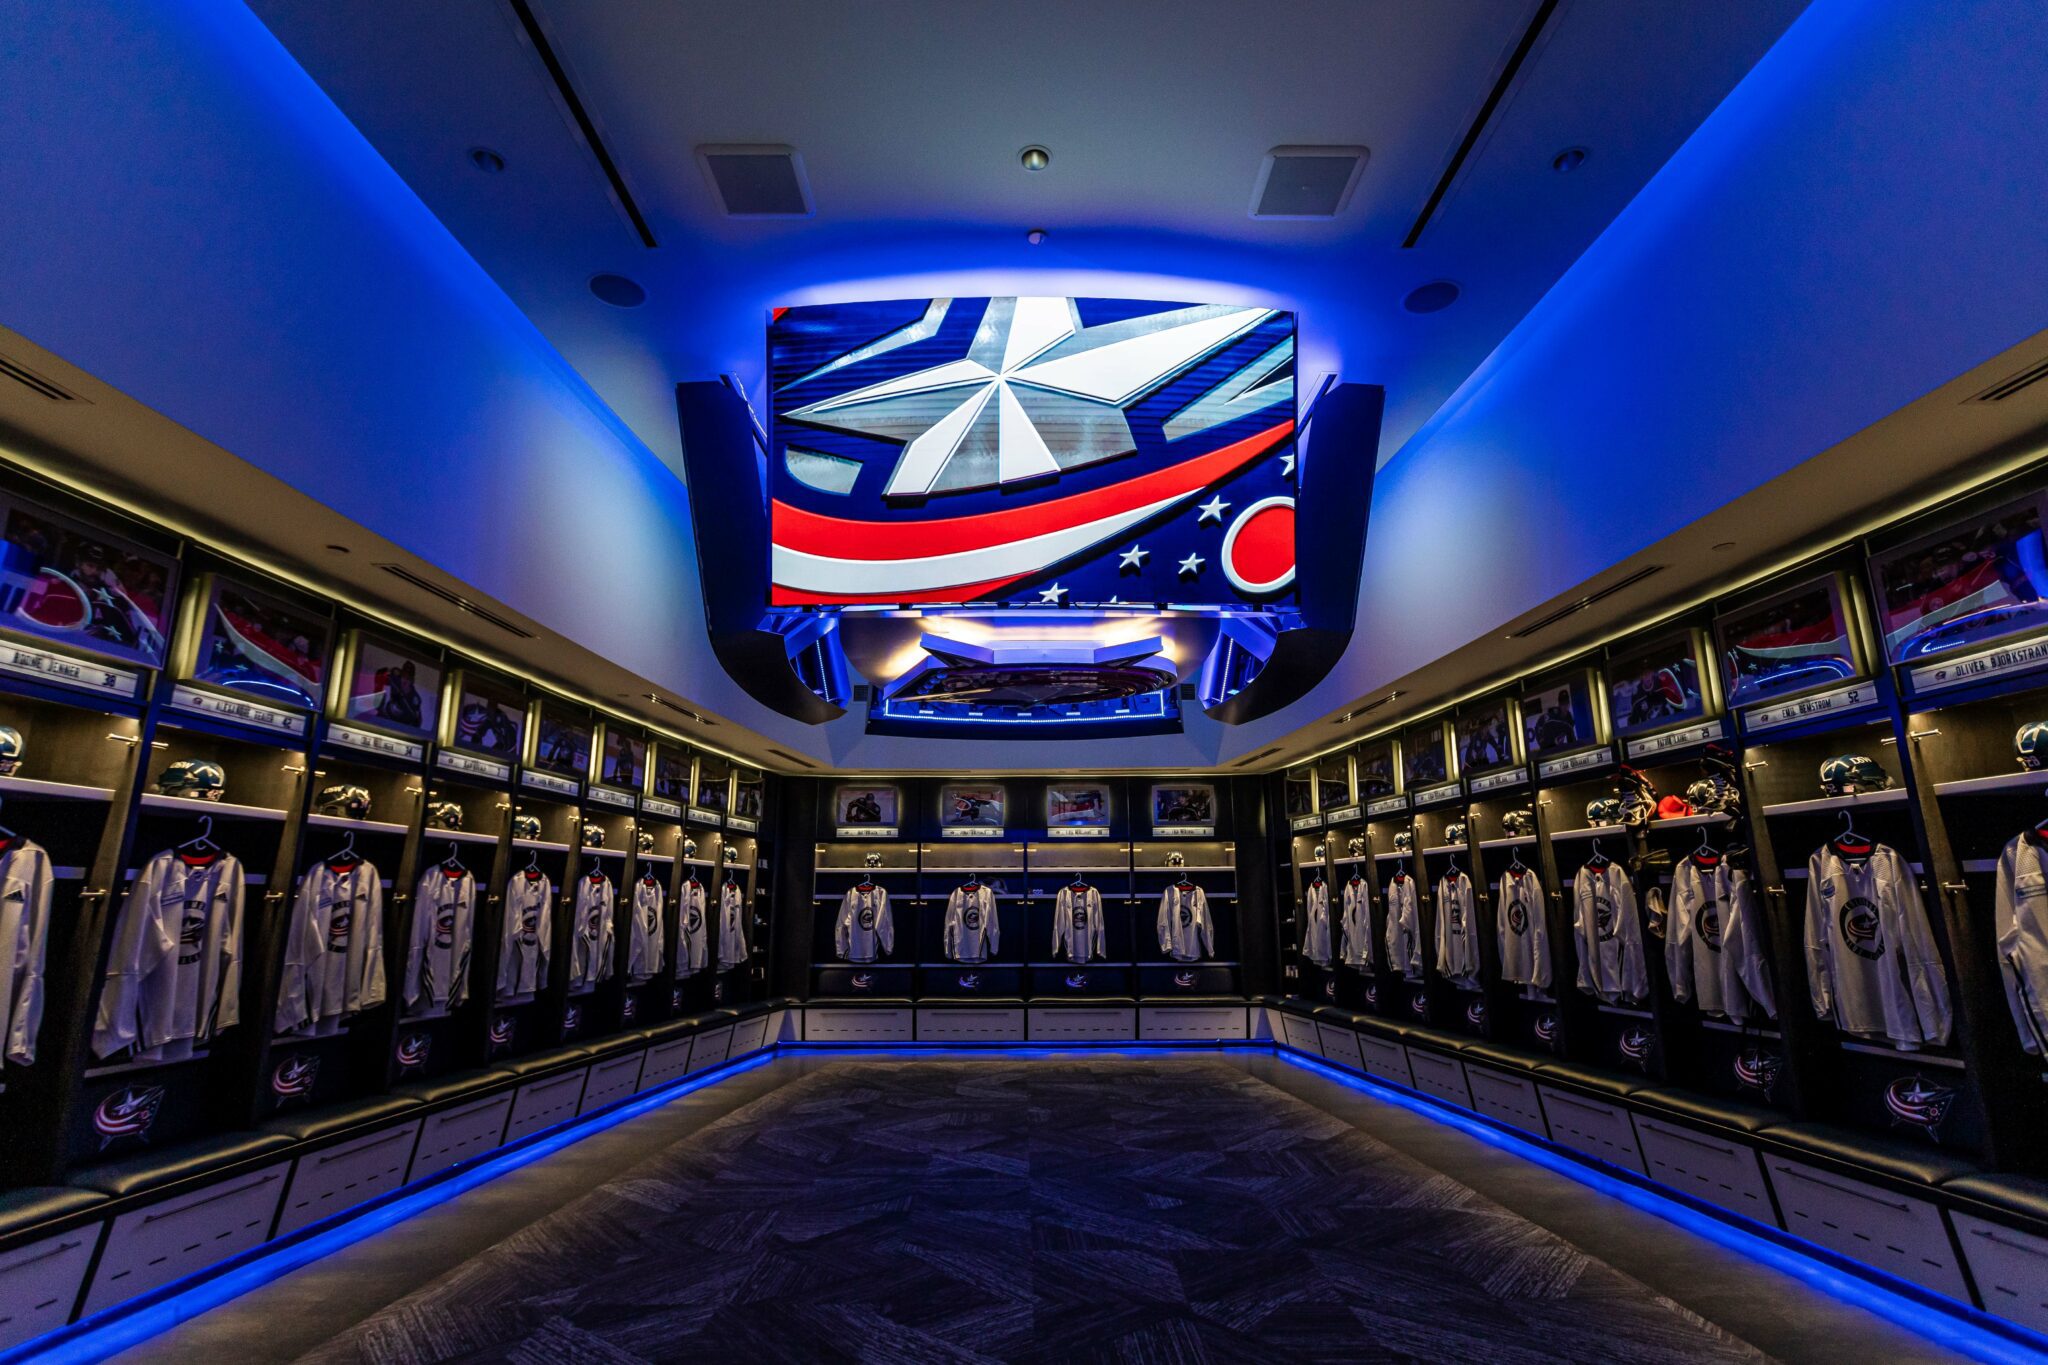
854 1002
534 1064
1236 1000
1918 1166
34 1206
153 1170
1709 1111
954 1002
1054 1002
1421 1035
454 1086
2023 1197
1591 1080
316 1124
1503 1058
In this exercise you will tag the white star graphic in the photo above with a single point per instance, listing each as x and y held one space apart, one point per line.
1212 510
1037 393
1133 558
1286 465
1190 566
1051 596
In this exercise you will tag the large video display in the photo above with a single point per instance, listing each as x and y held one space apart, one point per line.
1032 451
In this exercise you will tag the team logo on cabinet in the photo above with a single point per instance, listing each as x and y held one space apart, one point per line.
628 1010
1372 995
1184 980
1861 928
572 1018
1475 1014
127 1113
1077 981
675 1001
1917 1102
717 991
1330 989
1418 1004
1546 1029
1637 1044
412 1051
968 981
292 1078
862 981
1758 1069
502 1030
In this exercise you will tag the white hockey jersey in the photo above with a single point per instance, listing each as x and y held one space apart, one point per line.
1457 929
528 936
693 938
1185 933
1523 929
334 947
972 930
1871 963
443 927
644 949
1078 933
593 945
1356 923
1711 947
2021 914
1315 933
732 925
25 881
866 927
1404 927
1608 931
175 971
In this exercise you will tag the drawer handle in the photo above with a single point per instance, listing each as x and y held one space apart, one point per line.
1570 1103
213 1198
1992 1237
1844 1189
1686 1137
40 1257
392 1136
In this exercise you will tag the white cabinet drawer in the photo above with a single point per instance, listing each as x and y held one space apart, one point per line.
545 1103
1706 1166
1440 1076
611 1080
1896 1233
830 1025
950 1025
709 1049
1385 1059
1506 1098
39 1283
1592 1127
666 1062
458 1134
748 1036
1340 1045
1192 1023
1107 1024
344 1175
2010 1267
153 1246
1299 1033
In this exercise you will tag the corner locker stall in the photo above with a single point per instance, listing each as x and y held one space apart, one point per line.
744 833
176 1038
1184 908
1348 869
663 848
699 975
342 959
86 616
1303 912
547 966
1515 947
1454 990
974 935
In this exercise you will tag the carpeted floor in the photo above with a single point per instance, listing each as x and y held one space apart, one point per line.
1100 1209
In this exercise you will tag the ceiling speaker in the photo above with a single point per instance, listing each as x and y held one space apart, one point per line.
1307 182
757 181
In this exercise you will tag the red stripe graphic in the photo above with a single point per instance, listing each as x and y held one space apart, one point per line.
962 592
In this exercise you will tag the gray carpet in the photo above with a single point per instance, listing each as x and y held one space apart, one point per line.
1112 1209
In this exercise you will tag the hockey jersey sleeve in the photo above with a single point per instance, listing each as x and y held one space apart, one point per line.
1166 920
2023 942
1098 936
227 1004
1925 973
951 935
885 922
842 928
1740 944
1204 928
1819 980
374 985
25 1011
416 948
1062 920
1635 968
142 938
302 941
1678 931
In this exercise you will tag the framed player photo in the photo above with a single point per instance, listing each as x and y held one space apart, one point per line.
1486 737
391 688
561 742
1077 806
1971 583
1184 810
82 587
490 718
1333 782
1795 642
1658 685
714 785
1378 775
865 811
623 759
972 807
1426 755
1559 716
749 793
252 642
1298 793
672 772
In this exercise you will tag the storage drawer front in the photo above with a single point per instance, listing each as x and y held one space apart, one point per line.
859 1026
1894 1232
1106 1025
611 1080
456 1135
167 1241
1340 1045
1706 1166
1592 1127
970 1025
545 1103
1299 1033
1438 1075
749 1035
710 1048
666 1062
1192 1023
1388 1060
39 1283
344 1175
2011 1268
1506 1098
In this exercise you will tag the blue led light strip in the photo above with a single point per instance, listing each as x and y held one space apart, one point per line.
124 1325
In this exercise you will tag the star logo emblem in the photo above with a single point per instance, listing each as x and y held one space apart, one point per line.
1191 566
1212 510
1287 465
1133 558
1035 395
1051 596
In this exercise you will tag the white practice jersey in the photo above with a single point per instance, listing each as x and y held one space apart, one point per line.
1457 929
866 928
175 971
1185 933
1607 928
528 935
1523 929
732 925
1078 933
972 930
2022 920
334 948
1404 927
693 921
1356 923
644 949
1871 963
1315 933
25 882
1712 947
443 927
593 945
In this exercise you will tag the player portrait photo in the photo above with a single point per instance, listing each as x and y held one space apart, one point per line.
1559 716
1376 769
391 688
75 585
713 777
858 806
1184 803
1656 686
747 794
1486 738
671 772
1982 580
624 759
563 745
489 720
254 643
971 807
1424 752
1077 806
1795 642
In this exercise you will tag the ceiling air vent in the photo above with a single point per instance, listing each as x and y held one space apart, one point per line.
1355 712
757 182
1574 608
456 600
678 708
2008 386
35 383
1253 758
792 758
1307 182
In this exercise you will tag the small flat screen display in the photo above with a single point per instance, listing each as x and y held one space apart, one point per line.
1376 777
1426 756
1559 717
78 586
563 745
625 759
393 688
1486 738
1975 582
1656 686
254 643
1796 642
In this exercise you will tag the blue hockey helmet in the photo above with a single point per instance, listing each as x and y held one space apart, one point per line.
526 827
444 815
2029 745
345 799
1850 774
1603 810
193 777
1404 841
593 835
1454 833
644 841
12 747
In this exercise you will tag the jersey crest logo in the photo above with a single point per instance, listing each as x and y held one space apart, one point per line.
1603 917
1919 1103
128 1112
972 919
192 933
867 918
444 927
1187 916
693 921
294 1076
1708 920
412 1051
1757 1069
1080 919
1862 931
1518 917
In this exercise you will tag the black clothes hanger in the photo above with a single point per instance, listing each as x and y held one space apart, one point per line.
533 863
202 845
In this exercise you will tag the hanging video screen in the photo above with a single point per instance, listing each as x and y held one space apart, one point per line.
1425 755
1376 776
864 807
252 642
972 807
1975 582
1656 686
1559 717
1077 805
714 779
489 719
1796 642
83 588
625 759
1486 738
990 449
563 745
392 688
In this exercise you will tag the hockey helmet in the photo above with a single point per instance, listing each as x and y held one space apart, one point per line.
593 835
1850 774
1672 807
444 815
874 860
1176 860
1404 841
1519 823
1603 810
1713 796
1638 799
730 854
194 777
689 848
526 827
2029 745
1356 845
1454 832
12 747
1322 851
644 841
344 798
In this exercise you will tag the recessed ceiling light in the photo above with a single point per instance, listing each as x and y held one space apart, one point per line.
1433 297
1035 158
618 291
486 160
1568 160
1036 236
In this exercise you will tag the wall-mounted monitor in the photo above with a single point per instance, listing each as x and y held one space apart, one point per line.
259 644
391 687
624 758
1378 775
671 771
490 718
1486 737
1659 684
1970 583
1561 714
82 587
1426 755
561 742
1333 782
1794 642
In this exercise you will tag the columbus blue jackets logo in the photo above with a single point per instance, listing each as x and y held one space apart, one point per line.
292 1078
338 926
717 991
1080 917
968 981
1861 928
1330 989
192 933
1757 1069
1184 980
1917 1102
867 917
1475 1013
1372 995
1545 1029
972 918
628 1010
503 1029
1707 919
1077 981
1603 916
1636 1044
572 1017
1518 916
675 1002
444 927
412 1051
1418 1004
127 1113
862 981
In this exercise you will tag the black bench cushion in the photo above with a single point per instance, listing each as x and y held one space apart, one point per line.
955 1002
1421 1035
1710 1110
36 1205
2023 1197
549 1060
316 1124
457 1085
842 1002
1503 1058
154 1170
1054 1002
1236 1000
1856 1153
1592 1080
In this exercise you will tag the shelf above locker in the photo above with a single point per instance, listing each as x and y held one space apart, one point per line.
367 826
1061 867
1591 832
192 805
462 836
1799 873
1965 786
657 857
1387 857
1980 864
1693 821
1896 797
57 791
1216 867
544 845
1509 841
1445 848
